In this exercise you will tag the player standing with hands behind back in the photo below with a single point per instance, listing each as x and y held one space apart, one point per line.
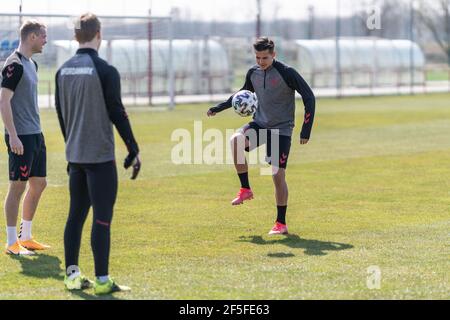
275 84
88 103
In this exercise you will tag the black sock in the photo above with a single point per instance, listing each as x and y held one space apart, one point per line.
281 214
244 180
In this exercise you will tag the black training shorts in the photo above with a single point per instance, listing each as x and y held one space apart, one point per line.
257 136
33 161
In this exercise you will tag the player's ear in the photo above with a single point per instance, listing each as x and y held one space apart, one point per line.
99 39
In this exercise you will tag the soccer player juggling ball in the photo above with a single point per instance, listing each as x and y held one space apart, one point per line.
275 84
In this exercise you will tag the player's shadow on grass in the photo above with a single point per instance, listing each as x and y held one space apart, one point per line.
86 295
312 247
41 266
46 266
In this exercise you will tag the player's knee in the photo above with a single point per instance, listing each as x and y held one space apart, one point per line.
38 185
102 223
17 188
237 139
278 175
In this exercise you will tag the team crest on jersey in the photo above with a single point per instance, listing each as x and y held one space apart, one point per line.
274 82
9 72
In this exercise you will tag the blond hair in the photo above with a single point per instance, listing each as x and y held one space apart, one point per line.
29 27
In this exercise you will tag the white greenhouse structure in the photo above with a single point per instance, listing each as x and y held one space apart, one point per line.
364 62
198 66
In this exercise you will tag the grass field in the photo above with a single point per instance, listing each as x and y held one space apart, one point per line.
371 188
437 75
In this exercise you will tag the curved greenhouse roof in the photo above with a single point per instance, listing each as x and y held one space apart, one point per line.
363 62
199 66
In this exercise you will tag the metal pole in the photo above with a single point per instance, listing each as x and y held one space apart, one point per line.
258 18
206 64
411 48
447 27
338 55
171 68
149 62
311 22
20 12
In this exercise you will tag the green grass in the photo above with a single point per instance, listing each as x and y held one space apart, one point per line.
437 75
46 83
370 189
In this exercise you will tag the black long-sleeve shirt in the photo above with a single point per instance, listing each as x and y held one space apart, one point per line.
88 102
275 89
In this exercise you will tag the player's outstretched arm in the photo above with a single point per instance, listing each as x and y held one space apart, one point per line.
210 113
220 107
227 104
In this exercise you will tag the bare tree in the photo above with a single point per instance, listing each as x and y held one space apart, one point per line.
258 18
393 19
437 20
359 18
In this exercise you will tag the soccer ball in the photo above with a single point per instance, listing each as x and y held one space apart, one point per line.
244 103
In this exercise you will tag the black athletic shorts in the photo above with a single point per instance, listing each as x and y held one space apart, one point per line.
253 132
33 161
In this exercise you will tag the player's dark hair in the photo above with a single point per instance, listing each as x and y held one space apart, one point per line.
264 43
86 27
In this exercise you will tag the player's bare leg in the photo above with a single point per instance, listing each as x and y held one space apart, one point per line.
281 197
238 145
12 201
281 188
36 186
